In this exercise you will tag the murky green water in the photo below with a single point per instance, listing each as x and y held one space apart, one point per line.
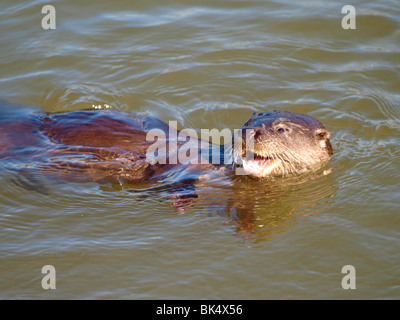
209 64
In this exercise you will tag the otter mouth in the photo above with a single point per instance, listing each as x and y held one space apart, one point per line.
257 165
256 157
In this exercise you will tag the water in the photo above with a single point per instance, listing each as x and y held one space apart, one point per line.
209 65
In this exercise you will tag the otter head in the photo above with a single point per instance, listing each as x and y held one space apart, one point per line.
278 143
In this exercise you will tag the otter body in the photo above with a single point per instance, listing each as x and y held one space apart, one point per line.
107 145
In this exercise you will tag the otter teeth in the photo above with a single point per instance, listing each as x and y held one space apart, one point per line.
261 158
255 156
258 165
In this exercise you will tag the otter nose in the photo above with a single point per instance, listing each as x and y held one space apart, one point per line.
254 131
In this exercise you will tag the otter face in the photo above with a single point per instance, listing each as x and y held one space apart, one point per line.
282 143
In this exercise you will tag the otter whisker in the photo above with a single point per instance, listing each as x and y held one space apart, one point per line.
287 160
284 164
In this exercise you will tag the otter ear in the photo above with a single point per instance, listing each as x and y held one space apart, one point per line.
322 134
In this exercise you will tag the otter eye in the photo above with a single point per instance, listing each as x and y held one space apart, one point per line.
281 130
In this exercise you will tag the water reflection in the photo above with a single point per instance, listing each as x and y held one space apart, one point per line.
257 210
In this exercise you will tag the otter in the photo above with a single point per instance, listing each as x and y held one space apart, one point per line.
285 143
111 146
